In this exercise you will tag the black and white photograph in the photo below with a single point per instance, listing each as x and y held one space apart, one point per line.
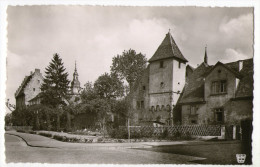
129 85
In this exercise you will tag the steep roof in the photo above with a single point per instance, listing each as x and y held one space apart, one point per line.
246 84
168 49
194 89
23 85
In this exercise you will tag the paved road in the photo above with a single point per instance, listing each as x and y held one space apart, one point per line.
18 151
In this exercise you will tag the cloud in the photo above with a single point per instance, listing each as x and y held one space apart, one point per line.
240 26
92 35
232 54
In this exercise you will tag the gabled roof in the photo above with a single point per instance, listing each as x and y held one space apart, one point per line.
194 89
168 49
23 85
230 67
189 66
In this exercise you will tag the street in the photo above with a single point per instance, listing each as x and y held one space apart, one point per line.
72 153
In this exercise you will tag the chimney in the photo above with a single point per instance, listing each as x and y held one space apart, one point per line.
37 70
240 65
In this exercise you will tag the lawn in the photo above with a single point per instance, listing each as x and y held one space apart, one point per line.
217 152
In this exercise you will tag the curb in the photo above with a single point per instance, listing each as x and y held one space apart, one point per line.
30 144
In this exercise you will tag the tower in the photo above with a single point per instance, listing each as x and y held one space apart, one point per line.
166 77
75 84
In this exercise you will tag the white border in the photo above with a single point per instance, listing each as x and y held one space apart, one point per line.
202 3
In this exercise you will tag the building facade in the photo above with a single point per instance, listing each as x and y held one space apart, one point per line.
29 89
171 92
218 94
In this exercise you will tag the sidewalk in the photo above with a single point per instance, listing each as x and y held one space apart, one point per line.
41 141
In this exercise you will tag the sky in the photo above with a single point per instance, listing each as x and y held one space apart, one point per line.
93 35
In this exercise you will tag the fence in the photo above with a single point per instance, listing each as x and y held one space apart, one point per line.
24 128
194 130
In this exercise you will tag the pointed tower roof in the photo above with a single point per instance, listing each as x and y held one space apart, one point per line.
75 70
206 56
168 49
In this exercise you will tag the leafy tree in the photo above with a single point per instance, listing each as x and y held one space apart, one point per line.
8 119
88 92
128 66
108 86
55 86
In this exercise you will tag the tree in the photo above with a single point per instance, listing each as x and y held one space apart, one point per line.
108 86
55 86
88 92
128 66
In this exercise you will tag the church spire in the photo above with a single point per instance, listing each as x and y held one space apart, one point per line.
206 56
75 84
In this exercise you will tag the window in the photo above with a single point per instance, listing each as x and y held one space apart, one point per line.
138 105
219 87
163 108
157 108
143 87
193 121
193 110
152 108
179 64
33 89
161 64
142 104
39 81
219 115
162 85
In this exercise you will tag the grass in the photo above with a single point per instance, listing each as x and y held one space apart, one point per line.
216 152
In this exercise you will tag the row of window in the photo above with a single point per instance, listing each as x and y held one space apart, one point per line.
140 105
218 114
162 108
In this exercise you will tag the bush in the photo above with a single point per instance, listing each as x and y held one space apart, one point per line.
32 132
21 131
187 136
45 134
60 138
165 134
118 133
100 140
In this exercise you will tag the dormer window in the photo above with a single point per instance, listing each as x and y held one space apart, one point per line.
219 87
161 64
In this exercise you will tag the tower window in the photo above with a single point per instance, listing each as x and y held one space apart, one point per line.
161 64
142 104
162 85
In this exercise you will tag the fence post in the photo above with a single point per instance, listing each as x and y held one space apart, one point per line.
234 132
223 132
128 129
